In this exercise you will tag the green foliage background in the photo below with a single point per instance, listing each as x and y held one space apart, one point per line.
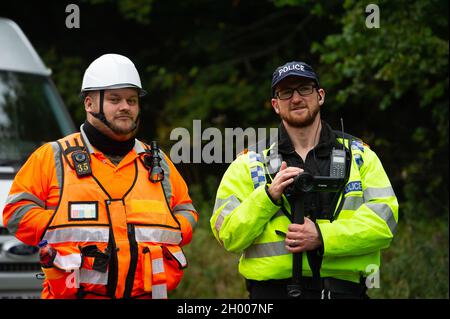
213 61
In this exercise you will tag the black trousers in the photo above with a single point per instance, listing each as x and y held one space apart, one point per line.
324 288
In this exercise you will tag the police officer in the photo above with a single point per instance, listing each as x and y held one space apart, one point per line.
115 209
343 231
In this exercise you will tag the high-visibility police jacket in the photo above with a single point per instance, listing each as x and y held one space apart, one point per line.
117 234
246 221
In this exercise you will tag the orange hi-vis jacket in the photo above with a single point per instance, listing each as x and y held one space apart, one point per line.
116 233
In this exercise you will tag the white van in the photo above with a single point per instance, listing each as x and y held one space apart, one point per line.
31 114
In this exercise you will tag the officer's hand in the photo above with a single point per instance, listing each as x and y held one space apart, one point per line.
302 237
283 178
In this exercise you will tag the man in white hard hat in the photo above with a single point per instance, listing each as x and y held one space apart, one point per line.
116 76
114 210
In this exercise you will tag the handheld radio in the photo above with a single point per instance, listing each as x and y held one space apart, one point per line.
337 165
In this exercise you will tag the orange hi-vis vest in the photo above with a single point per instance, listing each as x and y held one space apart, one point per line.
117 234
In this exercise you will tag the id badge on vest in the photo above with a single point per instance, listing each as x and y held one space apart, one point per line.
83 211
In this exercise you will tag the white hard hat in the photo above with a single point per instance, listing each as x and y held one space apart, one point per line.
111 71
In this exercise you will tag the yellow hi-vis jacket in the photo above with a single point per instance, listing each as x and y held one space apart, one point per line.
246 221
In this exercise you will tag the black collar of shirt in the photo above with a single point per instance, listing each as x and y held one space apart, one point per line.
105 144
327 140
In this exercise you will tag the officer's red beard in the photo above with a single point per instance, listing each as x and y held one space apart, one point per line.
305 119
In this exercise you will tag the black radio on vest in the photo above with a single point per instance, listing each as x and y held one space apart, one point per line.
337 165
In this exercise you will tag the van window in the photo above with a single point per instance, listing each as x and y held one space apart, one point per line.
31 114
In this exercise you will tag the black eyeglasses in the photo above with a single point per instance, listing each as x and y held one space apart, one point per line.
303 90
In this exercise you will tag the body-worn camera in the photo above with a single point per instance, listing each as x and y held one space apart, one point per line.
82 163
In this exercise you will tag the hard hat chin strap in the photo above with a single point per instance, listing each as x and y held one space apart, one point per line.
100 115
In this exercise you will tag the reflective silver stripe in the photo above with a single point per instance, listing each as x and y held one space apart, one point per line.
58 165
93 277
166 181
180 257
185 210
189 217
352 203
372 193
86 140
67 262
146 234
385 212
266 250
186 206
233 202
157 266
220 201
13 223
159 291
77 234
138 148
24 196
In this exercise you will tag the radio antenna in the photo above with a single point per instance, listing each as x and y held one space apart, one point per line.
342 128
